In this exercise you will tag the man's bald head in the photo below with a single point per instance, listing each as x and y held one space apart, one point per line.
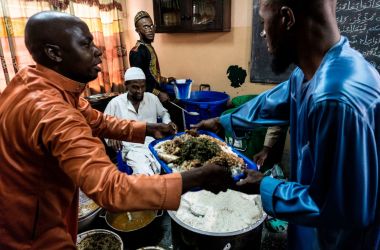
63 43
48 27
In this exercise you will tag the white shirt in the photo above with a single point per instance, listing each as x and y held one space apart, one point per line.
150 109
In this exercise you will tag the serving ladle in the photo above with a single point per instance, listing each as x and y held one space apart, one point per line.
187 112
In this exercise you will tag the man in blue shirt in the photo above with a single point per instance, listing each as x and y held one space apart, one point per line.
332 103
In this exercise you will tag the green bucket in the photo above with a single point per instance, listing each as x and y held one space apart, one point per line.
251 144
240 100
253 141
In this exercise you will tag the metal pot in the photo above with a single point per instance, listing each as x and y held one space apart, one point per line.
187 237
94 239
151 248
130 221
88 210
84 222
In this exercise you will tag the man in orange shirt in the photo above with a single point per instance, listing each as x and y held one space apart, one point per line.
49 145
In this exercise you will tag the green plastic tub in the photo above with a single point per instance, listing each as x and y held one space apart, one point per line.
251 144
253 141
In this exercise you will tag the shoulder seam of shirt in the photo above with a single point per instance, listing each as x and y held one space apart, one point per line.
360 113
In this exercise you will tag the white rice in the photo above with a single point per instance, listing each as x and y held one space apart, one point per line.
225 212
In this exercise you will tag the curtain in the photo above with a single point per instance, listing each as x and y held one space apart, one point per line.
104 19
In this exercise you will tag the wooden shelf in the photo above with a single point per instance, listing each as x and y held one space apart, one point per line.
186 16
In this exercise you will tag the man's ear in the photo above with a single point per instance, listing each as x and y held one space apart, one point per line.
287 17
138 32
53 52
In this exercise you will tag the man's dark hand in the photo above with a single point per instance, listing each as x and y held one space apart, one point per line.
210 177
159 130
115 144
212 124
261 156
174 126
250 184
163 96
171 79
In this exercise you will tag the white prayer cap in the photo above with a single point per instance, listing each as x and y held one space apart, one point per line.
134 73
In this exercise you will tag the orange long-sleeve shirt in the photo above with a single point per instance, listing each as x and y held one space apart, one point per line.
49 148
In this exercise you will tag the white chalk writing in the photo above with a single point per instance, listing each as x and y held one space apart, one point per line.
359 20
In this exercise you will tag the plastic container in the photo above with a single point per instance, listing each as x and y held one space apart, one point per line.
253 141
251 144
168 88
168 170
182 88
240 100
208 104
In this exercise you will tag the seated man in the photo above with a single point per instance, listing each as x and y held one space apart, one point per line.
138 105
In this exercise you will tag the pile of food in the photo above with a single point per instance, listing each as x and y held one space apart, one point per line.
191 150
222 213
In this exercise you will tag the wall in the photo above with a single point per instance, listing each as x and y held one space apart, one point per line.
203 57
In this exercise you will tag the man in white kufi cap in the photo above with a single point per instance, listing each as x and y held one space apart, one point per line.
136 104
134 73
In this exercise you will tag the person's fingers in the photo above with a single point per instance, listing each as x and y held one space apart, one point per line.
159 135
112 144
119 145
116 145
197 126
256 159
171 79
169 129
242 182
174 126
194 126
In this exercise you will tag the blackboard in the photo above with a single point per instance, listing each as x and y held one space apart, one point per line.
359 20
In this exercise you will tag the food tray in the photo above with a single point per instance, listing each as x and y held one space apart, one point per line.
168 170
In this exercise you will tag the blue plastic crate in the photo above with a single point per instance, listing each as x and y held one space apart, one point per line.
168 170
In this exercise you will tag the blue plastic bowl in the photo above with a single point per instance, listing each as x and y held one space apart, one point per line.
168 170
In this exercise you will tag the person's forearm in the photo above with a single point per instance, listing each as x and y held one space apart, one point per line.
272 135
111 127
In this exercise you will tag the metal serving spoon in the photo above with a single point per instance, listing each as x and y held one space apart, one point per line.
187 112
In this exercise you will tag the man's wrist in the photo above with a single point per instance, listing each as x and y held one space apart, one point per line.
191 178
267 148
150 127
